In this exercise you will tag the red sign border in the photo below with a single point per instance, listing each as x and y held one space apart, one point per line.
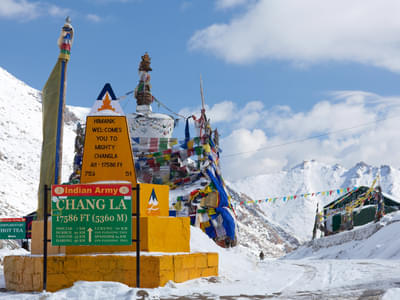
12 220
106 189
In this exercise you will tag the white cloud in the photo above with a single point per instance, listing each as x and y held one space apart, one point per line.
18 9
249 115
57 11
224 4
227 111
250 141
349 127
323 117
25 10
185 5
250 162
94 18
220 112
307 32
113 1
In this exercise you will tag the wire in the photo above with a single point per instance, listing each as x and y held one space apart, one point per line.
310 138
155 99
167 108
125 95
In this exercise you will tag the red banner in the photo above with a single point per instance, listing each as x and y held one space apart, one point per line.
91 189
12 219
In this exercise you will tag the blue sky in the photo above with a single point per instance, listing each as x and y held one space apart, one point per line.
274 71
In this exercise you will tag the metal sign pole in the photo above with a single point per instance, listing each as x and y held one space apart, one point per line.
137 235
45 216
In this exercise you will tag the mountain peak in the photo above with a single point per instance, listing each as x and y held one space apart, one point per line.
361 165
306 164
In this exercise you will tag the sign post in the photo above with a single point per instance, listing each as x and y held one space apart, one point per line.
108 152
91 214
12 228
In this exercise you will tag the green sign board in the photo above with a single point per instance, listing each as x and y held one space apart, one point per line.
91 214
12 228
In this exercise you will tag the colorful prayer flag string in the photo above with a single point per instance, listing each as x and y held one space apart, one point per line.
330 193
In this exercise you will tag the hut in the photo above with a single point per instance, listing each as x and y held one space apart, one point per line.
358 207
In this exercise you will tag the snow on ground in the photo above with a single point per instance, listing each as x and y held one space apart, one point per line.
243 276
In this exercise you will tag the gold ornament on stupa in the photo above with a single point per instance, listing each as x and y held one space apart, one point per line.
143 89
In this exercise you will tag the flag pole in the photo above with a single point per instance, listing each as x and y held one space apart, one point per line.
202 94
203 119
65 43
53 105
60 123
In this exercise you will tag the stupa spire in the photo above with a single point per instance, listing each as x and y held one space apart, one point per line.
143 89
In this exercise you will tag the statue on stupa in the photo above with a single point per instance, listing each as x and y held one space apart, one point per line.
143 89
145 63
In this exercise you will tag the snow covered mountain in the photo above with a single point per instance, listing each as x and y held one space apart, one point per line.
256 232
296 216
20 146
276 228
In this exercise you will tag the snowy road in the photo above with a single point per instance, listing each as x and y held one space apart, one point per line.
271 279
243 276
297 279
341 279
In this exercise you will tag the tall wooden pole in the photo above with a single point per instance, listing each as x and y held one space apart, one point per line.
53 105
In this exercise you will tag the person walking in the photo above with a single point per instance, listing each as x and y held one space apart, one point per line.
380 206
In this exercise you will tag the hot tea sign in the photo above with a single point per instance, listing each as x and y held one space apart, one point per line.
12 228
91 214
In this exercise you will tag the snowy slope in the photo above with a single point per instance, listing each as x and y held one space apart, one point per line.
257 233
297 215
20 146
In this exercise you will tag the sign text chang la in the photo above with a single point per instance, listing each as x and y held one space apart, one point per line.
92 214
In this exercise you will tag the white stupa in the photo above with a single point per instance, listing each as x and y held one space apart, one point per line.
145 123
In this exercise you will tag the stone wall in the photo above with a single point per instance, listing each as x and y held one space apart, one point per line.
25 273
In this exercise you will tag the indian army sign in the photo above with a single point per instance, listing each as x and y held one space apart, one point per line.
91 214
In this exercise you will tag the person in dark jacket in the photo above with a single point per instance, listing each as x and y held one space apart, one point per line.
380 204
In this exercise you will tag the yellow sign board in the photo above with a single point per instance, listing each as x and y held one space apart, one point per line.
107 153
154 200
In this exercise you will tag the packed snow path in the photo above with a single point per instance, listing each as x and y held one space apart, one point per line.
341 279
274 279
243 276
299 279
